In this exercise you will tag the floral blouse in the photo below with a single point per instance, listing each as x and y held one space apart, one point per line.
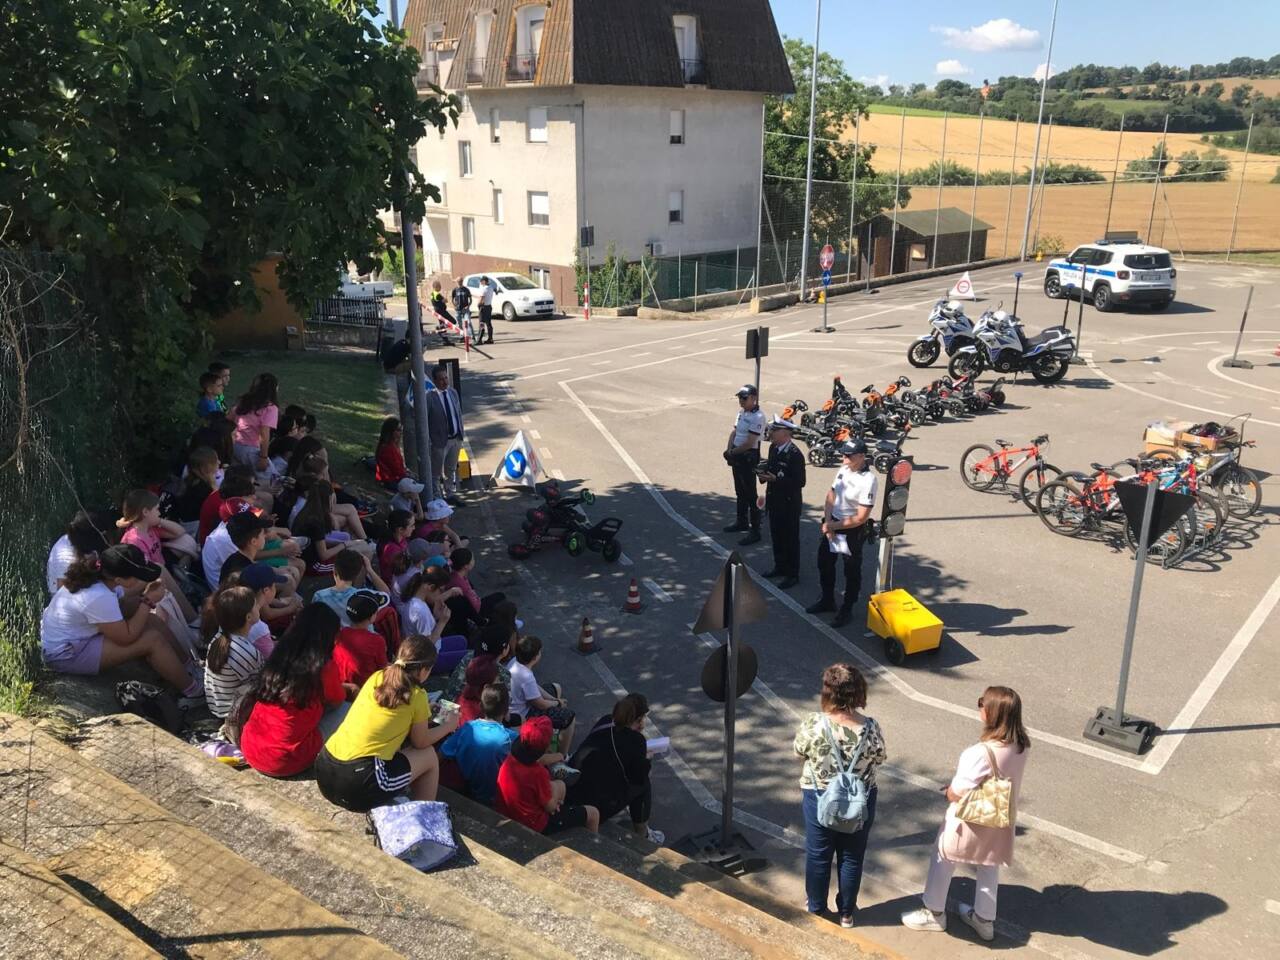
813 743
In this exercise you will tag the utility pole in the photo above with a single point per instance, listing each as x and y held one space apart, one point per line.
1035 155
808 175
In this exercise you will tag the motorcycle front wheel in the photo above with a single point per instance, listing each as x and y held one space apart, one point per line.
923 353
965 365
1049 369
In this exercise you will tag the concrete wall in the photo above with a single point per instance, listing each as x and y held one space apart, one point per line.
630 166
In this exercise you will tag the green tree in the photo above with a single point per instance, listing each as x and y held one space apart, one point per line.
1240 94
1206 167
953 174
165 148
1147 167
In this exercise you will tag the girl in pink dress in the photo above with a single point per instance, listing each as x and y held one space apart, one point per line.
1004 740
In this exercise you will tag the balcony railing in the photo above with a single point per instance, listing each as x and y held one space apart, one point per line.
694 71
475 69
428 76
522 67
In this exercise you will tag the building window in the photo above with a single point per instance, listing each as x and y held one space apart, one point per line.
465 104
918 251
537 124
495 125
677 126
480 50
523 65
687 48
675 206
539 209
469 234
541 276
499 212
464 158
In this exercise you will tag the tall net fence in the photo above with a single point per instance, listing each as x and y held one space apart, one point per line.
59 443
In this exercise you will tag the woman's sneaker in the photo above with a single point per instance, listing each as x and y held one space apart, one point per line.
986 929
656 837
846 920
925 919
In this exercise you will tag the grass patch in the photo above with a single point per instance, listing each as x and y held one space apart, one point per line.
344 389
897 111
1266 258
21 699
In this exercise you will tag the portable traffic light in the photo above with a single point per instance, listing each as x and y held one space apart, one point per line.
897 487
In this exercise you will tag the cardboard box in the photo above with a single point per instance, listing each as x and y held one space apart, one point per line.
1209 443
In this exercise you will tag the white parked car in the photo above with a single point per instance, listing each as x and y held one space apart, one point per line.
514 295
1115 274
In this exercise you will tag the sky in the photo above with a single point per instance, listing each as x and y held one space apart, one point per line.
927 40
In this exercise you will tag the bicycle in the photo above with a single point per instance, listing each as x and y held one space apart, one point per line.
1237 486
1208 515
982 467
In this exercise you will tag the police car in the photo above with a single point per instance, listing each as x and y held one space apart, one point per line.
1115 273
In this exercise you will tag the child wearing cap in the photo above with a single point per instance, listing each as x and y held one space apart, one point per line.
102 616
233 662
527 794
351 571
438 513
385 744
496 642
360 651
275 613
407 499
528 699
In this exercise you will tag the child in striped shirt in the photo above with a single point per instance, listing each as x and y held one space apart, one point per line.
233 662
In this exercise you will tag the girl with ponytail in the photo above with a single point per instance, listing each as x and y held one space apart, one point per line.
386 745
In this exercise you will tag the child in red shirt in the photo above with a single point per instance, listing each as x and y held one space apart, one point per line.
360 651
526 792
389 468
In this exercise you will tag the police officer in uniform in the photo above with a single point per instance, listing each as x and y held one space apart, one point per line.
844 525
742 454
783 471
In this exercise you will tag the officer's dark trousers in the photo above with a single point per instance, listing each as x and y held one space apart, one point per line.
744 488
784 532
852 570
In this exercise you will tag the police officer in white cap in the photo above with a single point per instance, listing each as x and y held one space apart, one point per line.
783 471
742 453
844 527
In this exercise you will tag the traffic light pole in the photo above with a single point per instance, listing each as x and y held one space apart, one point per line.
884 565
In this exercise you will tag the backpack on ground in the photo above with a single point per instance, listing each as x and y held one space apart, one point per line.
151 704
842 806
419 832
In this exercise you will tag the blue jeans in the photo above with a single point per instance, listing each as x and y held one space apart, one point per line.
821 844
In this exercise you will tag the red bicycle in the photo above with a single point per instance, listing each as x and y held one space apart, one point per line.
982 467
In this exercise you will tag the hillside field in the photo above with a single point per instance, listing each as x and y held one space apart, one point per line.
1267 86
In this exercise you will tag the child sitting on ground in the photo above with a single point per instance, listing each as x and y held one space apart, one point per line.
143 527
315 522
200 481
527 794
385 743
407 498
399 526
470 608
233 662
389 468
412 561
528 699
351 571
482 744
210 403
437 518
480 673
223 372
360 651
275 613
426 612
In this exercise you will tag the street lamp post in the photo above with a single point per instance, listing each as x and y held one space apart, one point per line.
1035 156
808 174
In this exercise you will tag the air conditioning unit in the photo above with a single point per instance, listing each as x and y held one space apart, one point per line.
654 249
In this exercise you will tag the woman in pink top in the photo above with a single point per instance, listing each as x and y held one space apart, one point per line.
1005 739
256 414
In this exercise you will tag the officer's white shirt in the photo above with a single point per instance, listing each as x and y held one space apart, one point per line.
748 422
853 490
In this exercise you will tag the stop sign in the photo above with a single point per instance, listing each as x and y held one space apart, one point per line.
827 258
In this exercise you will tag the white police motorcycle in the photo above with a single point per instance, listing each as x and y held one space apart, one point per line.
1003 347
952 329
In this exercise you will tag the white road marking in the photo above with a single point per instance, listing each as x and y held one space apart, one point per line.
544 373
1205 343
1188 333
1187 716
1162 376
525 418
535 435
646 353
624 559
558 474
1165 400
602 363
546 454
1210 393
1212 367
657 591
1273 906
874 669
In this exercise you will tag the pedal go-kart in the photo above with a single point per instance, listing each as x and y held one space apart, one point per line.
561 519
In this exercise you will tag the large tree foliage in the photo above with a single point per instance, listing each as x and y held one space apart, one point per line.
167 146
841 100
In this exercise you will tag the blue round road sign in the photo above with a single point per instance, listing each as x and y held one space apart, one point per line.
826 278
515 464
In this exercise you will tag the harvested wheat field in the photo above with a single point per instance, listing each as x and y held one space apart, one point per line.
1267 86
922 143
1190 217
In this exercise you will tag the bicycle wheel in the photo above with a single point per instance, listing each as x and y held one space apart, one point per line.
1033 480
978 469
1165 550
1240 491
1062 508
1210 516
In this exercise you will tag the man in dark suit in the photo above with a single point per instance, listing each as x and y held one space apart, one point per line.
444 422
783 471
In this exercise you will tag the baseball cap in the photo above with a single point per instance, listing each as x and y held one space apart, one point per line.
535 734
258 576
126 560
410 485
436 560
747 390
234 505
438 510
419 549
851 448
363 604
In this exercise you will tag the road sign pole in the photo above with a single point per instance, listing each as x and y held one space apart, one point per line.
1076 359
1017 285
730 708
1235 360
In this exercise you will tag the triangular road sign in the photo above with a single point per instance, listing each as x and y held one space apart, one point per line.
520 465
963 289
748 602
1169 506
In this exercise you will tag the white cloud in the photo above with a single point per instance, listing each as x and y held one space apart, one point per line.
1038 73
951 68
880 80
1001 34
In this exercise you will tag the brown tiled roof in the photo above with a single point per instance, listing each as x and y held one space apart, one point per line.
621 42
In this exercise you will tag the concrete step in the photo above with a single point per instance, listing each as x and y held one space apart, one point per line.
630 873
487 905
172 885
42 917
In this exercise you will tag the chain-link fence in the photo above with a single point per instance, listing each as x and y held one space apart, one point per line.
59 441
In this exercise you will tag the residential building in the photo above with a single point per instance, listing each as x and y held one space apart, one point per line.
638 118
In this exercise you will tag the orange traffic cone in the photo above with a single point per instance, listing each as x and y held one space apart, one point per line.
586 638
633 598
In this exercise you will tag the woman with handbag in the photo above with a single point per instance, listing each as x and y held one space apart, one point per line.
613 764
839 746
981 813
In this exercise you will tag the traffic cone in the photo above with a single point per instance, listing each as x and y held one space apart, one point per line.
633 598
586 638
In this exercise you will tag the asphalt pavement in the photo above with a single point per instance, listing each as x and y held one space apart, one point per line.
1116 855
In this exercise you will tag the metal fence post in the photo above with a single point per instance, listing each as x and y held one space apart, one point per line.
1044 176
937 214
1044 86
853 193
973 207
1013 171
1244 166
1155 190
1115 175
760 206
737 262
897 189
